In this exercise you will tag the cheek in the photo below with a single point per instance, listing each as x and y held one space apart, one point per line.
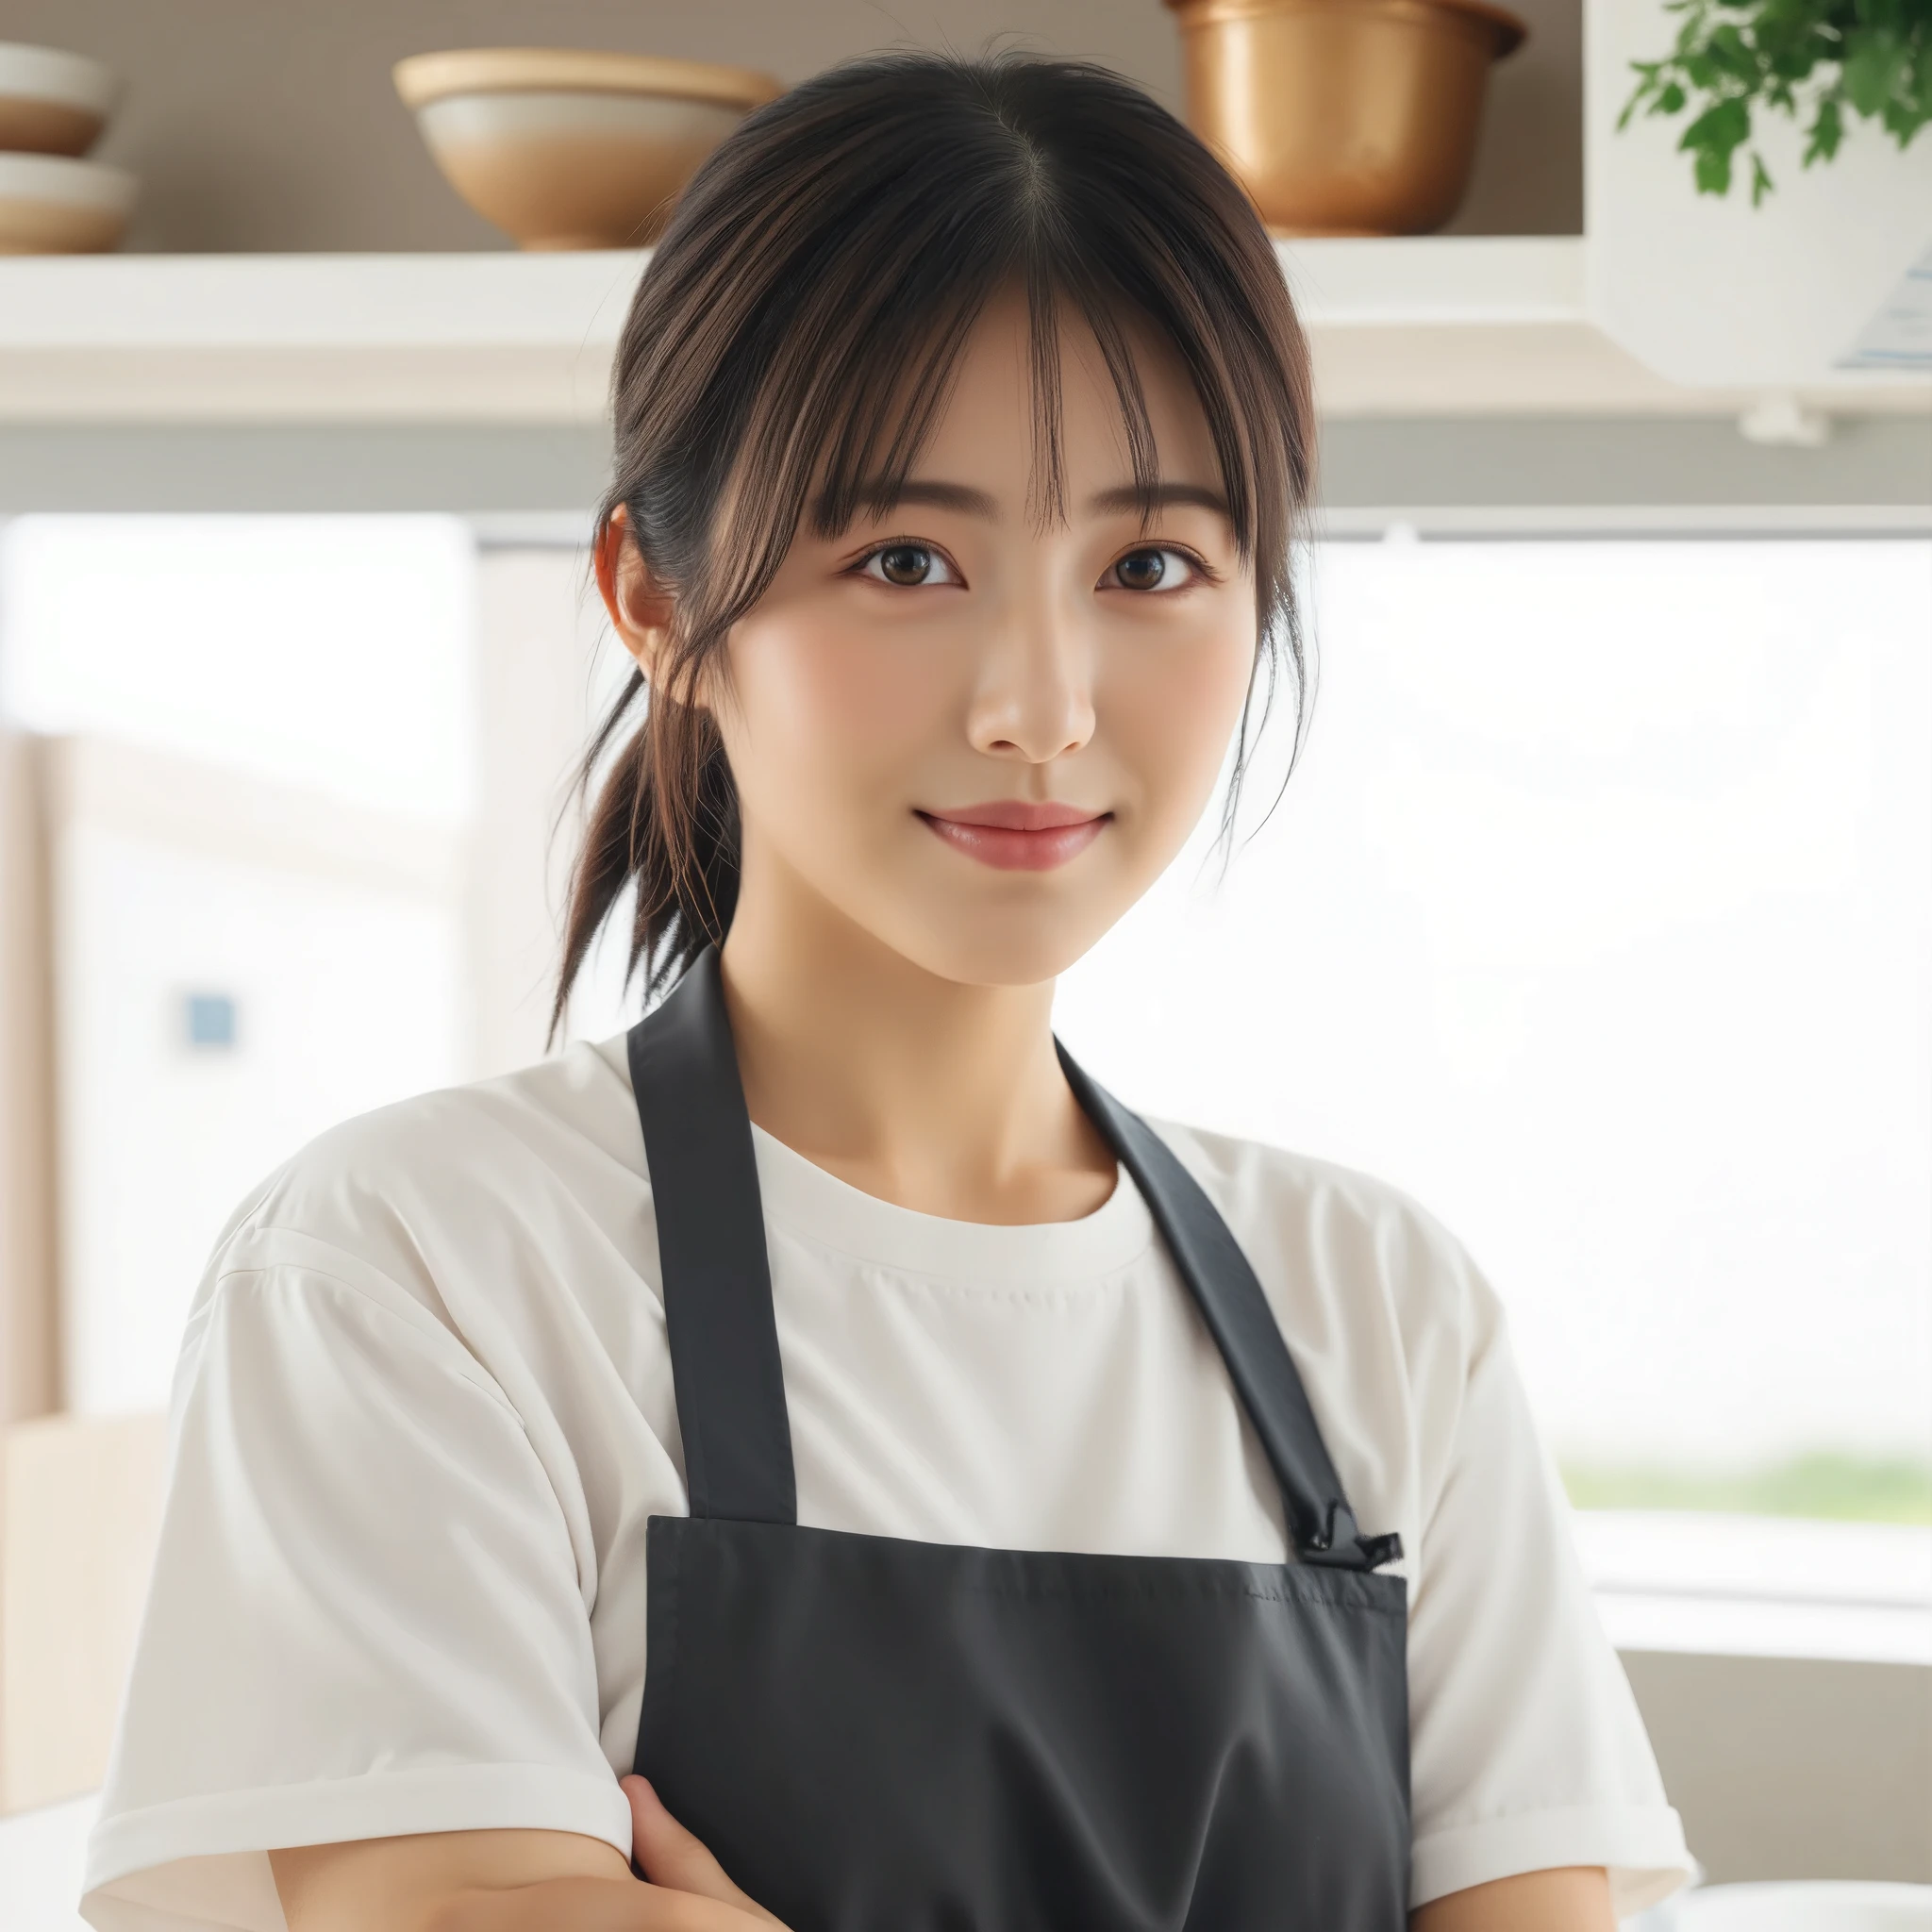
821 713
1174 709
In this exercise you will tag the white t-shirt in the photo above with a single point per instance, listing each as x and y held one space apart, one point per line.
424 1413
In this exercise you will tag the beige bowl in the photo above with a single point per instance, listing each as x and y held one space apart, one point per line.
1344 117
563 149
56 204
52 102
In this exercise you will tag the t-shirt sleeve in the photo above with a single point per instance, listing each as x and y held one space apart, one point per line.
1528 1751
367 1617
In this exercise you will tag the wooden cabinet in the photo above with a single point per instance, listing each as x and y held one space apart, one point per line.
80 1510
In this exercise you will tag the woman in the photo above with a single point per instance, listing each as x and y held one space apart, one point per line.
823 1446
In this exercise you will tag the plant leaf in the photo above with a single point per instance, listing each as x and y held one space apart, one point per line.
1725 124
1821 58
1827 130
1873 69
1712 170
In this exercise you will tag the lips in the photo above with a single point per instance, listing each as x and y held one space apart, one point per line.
1012 834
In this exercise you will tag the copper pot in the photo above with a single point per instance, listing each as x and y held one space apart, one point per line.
1344 117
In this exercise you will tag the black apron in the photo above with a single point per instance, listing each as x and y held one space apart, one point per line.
875 1735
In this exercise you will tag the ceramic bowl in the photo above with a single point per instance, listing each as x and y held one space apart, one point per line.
51 102
563 149
56 204
1344 117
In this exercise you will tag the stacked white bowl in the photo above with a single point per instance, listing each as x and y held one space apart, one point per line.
53 201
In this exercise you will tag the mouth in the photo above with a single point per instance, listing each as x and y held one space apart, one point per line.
1013 836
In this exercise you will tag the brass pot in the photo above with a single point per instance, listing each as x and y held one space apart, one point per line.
1344 117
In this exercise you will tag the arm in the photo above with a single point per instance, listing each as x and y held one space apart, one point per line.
515 1881
1576 1898
1526 1747
507 1881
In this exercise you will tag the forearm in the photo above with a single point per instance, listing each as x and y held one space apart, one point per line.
517 1882
547 1881
444 1881
1576 1898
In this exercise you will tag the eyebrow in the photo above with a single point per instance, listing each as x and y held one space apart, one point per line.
880 498
1163 496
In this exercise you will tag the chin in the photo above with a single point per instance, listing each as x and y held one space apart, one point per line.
997 951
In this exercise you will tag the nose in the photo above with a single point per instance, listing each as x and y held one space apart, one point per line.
1033 701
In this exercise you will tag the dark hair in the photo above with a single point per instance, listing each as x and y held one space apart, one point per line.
793 338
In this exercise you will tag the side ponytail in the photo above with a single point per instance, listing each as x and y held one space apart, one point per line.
663 820
789 349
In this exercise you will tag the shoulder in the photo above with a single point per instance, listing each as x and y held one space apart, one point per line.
433 1196
1382 1305
1361 1234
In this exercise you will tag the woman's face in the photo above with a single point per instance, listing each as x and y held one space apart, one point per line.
976 734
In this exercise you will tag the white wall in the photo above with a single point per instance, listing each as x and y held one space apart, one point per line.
337 935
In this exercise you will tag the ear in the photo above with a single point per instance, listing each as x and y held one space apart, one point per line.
639 607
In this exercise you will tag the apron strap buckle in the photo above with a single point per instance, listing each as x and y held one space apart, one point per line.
1337 1544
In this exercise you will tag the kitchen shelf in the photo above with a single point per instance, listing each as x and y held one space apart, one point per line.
1436 326
497 338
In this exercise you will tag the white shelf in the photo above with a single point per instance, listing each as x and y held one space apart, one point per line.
310 338
1435 326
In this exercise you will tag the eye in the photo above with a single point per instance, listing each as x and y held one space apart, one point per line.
912 566
1153 567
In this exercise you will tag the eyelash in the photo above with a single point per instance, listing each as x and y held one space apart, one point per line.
1194 561
862 566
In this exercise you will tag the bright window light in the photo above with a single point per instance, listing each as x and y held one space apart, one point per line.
333 653
1599 918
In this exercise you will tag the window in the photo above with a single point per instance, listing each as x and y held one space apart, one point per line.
1598 916
332 653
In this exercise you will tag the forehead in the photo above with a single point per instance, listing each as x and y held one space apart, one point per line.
1013 396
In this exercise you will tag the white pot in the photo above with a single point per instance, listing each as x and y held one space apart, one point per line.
1707 291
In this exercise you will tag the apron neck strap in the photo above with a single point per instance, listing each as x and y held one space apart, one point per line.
717 1285
712 1259
1321 1525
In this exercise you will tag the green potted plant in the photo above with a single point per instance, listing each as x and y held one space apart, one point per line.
1815 61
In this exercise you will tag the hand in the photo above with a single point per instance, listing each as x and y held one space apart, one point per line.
684 1889
674 1861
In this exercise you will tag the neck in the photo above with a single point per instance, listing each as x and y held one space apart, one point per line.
939 1096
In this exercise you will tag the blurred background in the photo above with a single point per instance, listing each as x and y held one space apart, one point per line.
1596 914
